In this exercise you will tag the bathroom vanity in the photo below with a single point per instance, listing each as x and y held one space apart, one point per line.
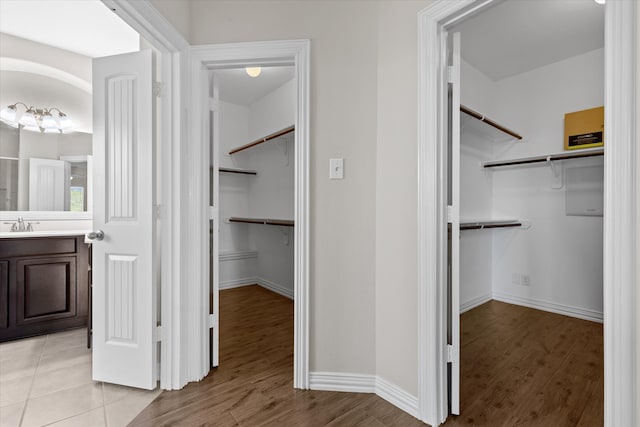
44 283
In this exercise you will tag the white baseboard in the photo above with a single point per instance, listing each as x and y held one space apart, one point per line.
473 303
232 256
397 396
358 383
274 287
238 283
248 281
337 381
567 310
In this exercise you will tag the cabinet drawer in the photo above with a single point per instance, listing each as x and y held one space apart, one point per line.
13 248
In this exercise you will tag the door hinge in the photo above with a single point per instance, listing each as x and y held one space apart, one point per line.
449 214
450 74
157 211
212 321
452 354
159 333
158 89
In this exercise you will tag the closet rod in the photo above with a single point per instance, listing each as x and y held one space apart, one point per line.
265 139
263 221
541 159
482 226
488 121
242 171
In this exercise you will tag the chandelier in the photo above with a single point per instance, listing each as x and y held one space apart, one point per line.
47 120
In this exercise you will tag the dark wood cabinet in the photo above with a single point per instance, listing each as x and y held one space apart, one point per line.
43 285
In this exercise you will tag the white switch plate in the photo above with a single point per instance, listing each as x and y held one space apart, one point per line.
336 168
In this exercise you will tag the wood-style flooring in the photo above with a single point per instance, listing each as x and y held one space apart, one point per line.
525 367
254 384
520 367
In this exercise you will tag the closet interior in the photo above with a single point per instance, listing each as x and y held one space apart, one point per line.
531 211
256 161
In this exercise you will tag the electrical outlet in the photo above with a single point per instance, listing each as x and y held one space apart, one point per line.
525 280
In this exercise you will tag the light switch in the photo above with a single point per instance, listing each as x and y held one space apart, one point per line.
336 168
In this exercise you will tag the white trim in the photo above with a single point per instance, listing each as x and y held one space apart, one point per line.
475 302
295 52
238 283
361 383
337 381
152 25
275 287
397 396
432 217
538 304
237 255
264 283
620 228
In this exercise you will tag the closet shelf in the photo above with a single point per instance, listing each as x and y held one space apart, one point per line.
238 170
548 158
481 225
488 121
264 221
265 139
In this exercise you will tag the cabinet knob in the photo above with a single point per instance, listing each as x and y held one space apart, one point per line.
96 235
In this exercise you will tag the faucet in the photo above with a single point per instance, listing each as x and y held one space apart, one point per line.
20 226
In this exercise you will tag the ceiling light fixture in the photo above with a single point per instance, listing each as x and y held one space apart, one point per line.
600 1
253 71
36 119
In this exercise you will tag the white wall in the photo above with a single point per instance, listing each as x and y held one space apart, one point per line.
476 189
561 254
71 95
343 124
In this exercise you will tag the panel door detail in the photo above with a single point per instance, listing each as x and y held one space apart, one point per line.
123 267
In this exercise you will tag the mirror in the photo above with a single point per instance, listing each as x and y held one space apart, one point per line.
44 171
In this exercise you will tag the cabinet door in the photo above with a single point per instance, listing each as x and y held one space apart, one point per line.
4 294
46 289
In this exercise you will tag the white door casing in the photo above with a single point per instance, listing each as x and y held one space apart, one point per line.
288 52
124 273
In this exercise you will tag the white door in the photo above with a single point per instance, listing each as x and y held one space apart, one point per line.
214 225
124 273
48 185
454 220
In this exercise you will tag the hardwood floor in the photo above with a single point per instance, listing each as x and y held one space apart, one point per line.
525 367
520 367
254 384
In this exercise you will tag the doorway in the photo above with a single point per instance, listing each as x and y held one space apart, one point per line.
620 46
263 54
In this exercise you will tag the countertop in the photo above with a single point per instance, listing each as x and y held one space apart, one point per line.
52 233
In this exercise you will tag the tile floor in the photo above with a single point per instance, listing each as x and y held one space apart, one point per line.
46 381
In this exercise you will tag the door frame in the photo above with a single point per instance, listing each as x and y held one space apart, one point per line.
296 53
620 221
154 28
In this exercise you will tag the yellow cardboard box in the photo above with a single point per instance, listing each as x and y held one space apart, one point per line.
584 129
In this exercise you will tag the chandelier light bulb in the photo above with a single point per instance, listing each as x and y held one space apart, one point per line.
8 114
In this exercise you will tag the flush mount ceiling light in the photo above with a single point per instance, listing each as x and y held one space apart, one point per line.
253 71
36 119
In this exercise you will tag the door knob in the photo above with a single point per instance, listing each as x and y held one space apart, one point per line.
96 235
